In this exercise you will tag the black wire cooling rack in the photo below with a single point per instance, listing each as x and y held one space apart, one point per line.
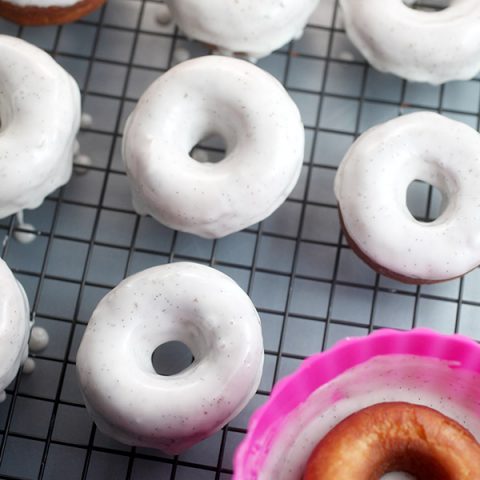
308 286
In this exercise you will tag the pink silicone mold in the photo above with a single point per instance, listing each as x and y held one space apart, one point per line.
319 369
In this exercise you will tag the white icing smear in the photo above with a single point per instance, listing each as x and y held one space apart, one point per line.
419 380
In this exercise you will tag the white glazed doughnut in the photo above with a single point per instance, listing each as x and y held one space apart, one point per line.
194 304
371 187
14 327
247 27
260 124
40 117
421 46
46 12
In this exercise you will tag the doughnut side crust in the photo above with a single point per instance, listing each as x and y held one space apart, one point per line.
245 26
14 326
434 47
191 303
40 112
371 186
36 14
396 437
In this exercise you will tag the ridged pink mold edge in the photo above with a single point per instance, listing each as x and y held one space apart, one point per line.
320 368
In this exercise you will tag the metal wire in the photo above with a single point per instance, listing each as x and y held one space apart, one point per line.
281 290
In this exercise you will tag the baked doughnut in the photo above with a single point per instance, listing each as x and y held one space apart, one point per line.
40 118
47 12
186 302
433 47
14 327
371 186
247 27
260 124
392 437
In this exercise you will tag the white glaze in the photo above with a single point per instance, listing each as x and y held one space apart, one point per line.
371 186
408 378
194 304
163 16
39 339
24 232
81 164
261 127
249 27
29 366
86 120
433 47
14 326
40 117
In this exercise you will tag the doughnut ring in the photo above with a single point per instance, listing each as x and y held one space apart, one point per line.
434 47
14 327
371 186
194 304
391 437
40 118
262 129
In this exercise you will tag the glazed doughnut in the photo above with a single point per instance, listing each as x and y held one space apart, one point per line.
433 47
260 124
371 187
186 302
393 437
247 27
14 327
40 117
46 12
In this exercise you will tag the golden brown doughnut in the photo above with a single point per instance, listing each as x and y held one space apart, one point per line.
52 15
391 437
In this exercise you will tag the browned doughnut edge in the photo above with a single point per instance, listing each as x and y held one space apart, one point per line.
33 15
396 436
382 270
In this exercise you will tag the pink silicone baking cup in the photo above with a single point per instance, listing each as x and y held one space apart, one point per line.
319 369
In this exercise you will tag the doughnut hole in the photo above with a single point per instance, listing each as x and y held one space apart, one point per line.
210 149
428 5
172 358
209 136
397 476
425 202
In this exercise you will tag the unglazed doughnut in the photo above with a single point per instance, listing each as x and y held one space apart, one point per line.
392 437
46 12
262 129
371 187
40 117
186 302
433 47
247 27
14 327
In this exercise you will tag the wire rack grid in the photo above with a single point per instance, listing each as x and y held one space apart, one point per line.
308 286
